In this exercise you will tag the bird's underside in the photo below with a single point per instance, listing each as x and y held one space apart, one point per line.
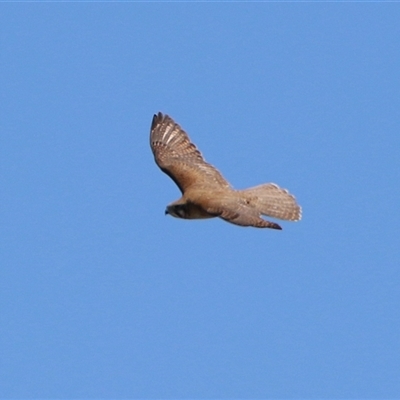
205 192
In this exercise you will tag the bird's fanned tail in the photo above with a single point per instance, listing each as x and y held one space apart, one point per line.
273 201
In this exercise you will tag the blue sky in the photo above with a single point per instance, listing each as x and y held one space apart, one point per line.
102 296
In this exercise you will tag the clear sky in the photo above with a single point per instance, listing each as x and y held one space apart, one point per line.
103 296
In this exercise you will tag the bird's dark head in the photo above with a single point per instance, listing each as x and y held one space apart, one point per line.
176 210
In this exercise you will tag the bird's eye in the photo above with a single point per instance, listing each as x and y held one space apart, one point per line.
180 210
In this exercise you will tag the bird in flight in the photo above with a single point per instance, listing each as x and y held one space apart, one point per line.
205 192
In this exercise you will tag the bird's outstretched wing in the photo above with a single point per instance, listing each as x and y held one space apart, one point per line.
247 217
179 158
237 209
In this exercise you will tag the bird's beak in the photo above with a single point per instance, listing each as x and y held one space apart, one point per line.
166 211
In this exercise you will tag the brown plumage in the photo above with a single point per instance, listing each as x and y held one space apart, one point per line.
205 192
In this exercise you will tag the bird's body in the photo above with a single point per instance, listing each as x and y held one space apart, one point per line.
205 192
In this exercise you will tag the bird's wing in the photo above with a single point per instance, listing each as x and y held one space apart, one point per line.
234 208
179 158
246 216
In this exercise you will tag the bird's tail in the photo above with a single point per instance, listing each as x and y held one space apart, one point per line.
273 201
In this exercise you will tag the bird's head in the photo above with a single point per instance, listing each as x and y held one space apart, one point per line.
176 210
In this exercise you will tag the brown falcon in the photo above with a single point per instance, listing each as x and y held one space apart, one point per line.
205 192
